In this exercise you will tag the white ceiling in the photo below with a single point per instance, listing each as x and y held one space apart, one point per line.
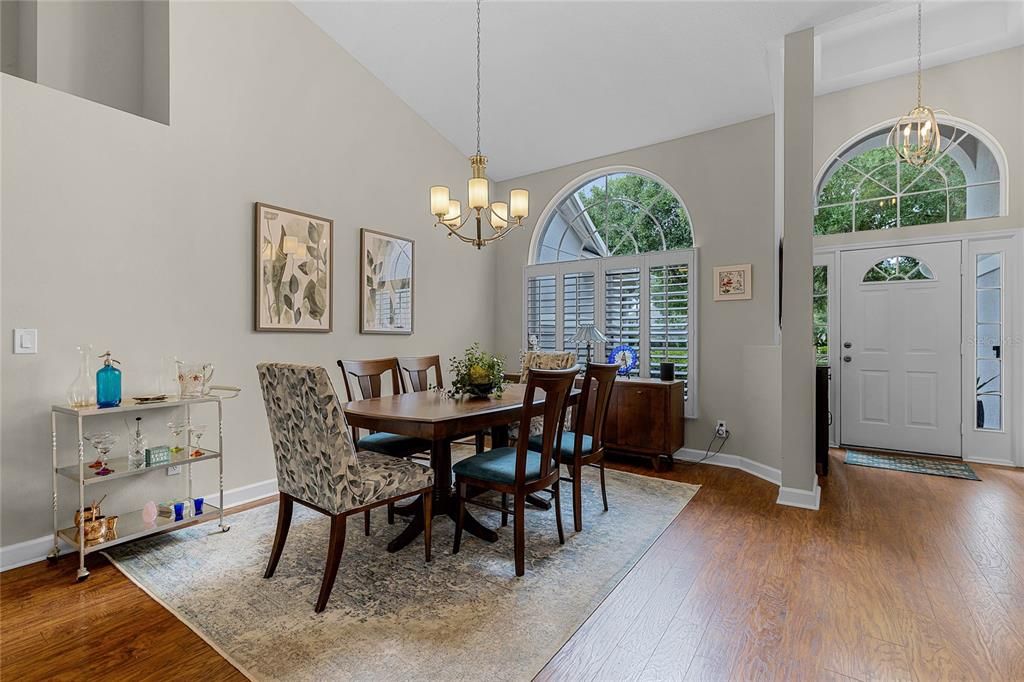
570 80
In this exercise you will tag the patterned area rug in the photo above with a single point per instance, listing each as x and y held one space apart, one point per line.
914 465
392 617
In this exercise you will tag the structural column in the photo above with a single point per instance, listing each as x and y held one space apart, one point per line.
799 482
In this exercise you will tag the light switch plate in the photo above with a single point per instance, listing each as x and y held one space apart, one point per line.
26 341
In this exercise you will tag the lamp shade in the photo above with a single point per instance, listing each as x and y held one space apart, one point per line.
588 333
454 214
519 199
478 193
499 215
439 200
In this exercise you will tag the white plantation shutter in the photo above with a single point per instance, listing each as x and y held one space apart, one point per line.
648 302
541 311
579 304
669 320
622 292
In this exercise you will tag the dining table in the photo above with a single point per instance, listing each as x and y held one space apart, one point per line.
435 416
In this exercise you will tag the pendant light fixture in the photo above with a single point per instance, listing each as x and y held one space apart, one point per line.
502 217
916 136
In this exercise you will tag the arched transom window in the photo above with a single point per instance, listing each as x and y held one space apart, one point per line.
898 269
865 186
614 214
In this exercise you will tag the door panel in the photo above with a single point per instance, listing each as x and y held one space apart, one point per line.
900 354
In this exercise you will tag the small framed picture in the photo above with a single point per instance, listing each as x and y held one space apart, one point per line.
386 283
294 271
733 283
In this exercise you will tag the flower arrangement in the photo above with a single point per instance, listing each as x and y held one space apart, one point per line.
477 373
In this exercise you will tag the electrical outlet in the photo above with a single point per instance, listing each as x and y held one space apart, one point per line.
174 470
720 429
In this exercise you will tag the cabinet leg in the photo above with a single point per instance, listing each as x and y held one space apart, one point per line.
83 573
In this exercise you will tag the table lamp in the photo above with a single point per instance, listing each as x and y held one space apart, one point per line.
588 334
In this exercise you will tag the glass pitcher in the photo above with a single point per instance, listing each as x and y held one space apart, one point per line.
82 392
194 378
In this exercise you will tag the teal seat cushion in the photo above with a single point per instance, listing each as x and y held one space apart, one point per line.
393 444
566 445
498 466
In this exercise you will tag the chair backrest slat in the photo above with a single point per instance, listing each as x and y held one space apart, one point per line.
415 373
592 409
556 384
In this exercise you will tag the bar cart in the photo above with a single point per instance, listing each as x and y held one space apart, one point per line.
131 526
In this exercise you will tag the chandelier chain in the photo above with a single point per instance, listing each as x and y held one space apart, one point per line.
919 13
478 77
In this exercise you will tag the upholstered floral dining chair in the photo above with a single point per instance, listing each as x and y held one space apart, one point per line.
318 466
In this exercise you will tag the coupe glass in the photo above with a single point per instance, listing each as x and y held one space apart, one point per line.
177 429
197 431
104 442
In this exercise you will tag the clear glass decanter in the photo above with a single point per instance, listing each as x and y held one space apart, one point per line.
82 392
137 444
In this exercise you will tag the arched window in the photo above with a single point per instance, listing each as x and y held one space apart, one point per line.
613 251
898 269
865 186
613 214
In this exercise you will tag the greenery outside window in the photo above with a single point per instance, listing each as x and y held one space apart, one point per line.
866 186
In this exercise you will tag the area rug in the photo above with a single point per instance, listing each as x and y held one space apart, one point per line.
391 616
915 465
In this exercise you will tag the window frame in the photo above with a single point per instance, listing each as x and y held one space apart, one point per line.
599 266
962 126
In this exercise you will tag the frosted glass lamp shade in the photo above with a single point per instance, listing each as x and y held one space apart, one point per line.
519 200
499 215
478 193
454 214
439 198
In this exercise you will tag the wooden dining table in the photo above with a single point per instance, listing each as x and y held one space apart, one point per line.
434 416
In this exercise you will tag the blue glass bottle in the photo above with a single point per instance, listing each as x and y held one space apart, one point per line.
108 383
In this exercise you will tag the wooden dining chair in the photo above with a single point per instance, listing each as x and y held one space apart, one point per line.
519 471
368 378
584 445
533 360
415 378
318 466
414 373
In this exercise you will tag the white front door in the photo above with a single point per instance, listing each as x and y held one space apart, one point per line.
899 348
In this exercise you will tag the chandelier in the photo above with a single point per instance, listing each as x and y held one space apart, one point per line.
916 136
501 216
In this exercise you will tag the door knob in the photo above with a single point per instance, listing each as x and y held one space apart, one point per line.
847 358
847 344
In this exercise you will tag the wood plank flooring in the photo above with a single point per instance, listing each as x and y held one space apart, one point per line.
899 576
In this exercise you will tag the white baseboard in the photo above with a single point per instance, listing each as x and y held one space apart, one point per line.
31 551
722 459
991 462
797 497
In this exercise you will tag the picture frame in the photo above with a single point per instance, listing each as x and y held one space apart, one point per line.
733 282
293 275
386 283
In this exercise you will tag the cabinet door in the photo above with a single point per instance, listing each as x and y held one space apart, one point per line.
641 417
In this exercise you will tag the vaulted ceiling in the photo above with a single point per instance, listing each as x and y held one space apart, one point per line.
567 81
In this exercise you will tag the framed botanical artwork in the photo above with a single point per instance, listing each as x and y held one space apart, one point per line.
733 283
294 271
386 283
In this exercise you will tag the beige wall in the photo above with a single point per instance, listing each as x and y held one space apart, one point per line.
137 237
725 178
730 204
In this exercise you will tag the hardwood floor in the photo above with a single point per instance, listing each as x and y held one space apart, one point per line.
899 576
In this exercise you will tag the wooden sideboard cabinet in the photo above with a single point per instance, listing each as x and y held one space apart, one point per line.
645 418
